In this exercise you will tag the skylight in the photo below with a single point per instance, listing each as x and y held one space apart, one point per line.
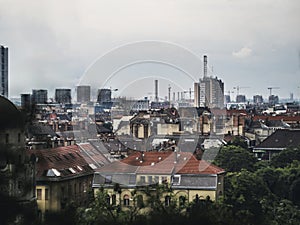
72 170
93 166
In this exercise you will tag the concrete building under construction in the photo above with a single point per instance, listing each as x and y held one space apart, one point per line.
209 92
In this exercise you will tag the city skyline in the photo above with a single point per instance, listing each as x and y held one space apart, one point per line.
252 44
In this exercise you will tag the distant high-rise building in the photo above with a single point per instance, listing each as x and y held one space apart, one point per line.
26 101
292 96
196 95
104 95
258 99
39 96
63 95
273 100
3 71
83 93
209 92
227 99
240 98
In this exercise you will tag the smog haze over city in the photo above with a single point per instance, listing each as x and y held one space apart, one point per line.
253 44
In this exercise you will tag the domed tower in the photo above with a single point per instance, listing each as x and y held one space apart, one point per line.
17 181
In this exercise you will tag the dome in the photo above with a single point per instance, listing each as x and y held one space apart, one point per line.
10 116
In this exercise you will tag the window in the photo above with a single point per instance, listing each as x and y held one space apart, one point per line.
142 180
39 194
107 179
164 180
156 179
126 200
182 200
197 198
176 179
167 200
150 180
108 199
132 179
113 199
46 194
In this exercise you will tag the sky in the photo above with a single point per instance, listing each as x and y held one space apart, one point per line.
127 44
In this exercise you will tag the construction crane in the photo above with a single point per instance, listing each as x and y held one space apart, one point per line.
271 88
238 89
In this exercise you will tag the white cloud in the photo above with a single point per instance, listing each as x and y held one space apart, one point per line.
242 53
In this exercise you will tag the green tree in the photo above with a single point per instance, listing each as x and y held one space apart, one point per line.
239 142
163 206
244 191
285 157
279 212
234 158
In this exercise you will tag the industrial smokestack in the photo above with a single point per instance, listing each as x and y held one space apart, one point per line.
169 93
156 90
205 66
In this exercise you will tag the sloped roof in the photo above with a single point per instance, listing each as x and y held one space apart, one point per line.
40 130
161 163
281 139
92 155
61 162
195 166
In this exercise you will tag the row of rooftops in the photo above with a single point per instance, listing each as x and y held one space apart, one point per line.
181 170
161 163
83 159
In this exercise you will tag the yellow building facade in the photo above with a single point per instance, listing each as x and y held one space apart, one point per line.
135 177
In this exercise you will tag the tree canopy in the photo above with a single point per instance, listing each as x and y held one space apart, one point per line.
234 158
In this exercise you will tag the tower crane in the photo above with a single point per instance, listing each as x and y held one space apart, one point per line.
271 88
238 89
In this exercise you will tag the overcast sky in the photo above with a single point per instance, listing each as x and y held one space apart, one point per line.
254 44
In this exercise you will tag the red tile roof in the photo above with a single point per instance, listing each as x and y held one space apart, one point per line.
162 163
68 161
195 166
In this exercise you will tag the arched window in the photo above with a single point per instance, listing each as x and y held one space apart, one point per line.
108 199
197 198
167 200
113 200
182 200
126 200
